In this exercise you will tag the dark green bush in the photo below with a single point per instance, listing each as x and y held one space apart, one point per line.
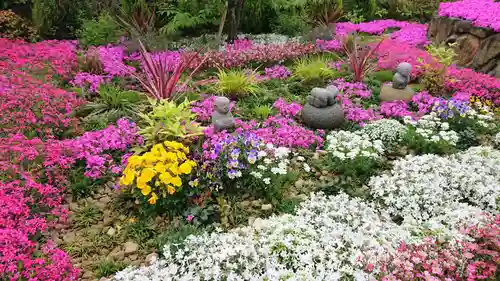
100 31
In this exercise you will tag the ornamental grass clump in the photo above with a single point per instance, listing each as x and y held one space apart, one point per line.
158 173
311 69
236 83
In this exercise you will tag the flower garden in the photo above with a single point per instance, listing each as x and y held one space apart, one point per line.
112 169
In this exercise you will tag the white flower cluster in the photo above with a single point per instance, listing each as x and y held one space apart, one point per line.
421 187
497 139
431 128
270 38
385 130
277 163
348 145
323 241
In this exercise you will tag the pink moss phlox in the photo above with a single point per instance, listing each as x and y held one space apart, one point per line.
392 52
394 109
477 84
204 107
424 102
112 58
287 109
352 89
483 13
89 80
277 72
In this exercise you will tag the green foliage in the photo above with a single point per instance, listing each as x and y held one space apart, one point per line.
414 141
289 23
262 111
316 11
422 10
445 55
86 216
168 121
383 76
175 236
106 267
102 31
236 83
312 69
141 231
82 186
179 15
138 18
433 79
112 104
13 26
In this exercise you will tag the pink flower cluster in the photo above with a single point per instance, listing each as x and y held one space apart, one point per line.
287 109
22 258
112 58
240 56
477 84
277 72
413 34
484 13
170 59
394 109
205 107
89 80
352 89
392 52
472 260
239 45
95 148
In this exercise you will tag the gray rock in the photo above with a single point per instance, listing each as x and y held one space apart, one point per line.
151 258
69 237
130 247
258 223
389 93
266 207
222 119
330 117
111 231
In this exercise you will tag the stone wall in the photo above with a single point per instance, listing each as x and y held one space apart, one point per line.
477 47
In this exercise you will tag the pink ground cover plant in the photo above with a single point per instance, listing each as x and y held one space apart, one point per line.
434 259
477 84
484 13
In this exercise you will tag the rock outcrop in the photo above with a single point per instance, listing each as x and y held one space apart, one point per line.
477 47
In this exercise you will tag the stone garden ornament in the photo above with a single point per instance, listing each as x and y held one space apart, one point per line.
222 119
398 89
322 111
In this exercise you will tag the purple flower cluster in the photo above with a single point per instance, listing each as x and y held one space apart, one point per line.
447 109
287 109
424 102
92 81
277 72
484 13
112 59
282 132
95 148
413 34
239 45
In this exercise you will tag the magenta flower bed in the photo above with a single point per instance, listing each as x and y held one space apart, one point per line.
484 13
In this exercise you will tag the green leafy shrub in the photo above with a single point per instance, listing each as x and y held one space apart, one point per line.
422 10
235 83
434 77
13 26
112 104
101 31
108 267
180 15
290 24
168 121
312 69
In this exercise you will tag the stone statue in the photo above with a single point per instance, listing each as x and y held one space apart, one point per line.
222 119
402 76
398 89
322 110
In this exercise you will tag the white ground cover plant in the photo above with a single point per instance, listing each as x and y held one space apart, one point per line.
350 145
388 131
421 187
433 129
324 240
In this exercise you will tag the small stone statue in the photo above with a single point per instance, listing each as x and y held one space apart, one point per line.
398 89
222 119
321 110
402 76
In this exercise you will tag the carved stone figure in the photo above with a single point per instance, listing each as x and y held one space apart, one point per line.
321 110
402 76
222 119
398 89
